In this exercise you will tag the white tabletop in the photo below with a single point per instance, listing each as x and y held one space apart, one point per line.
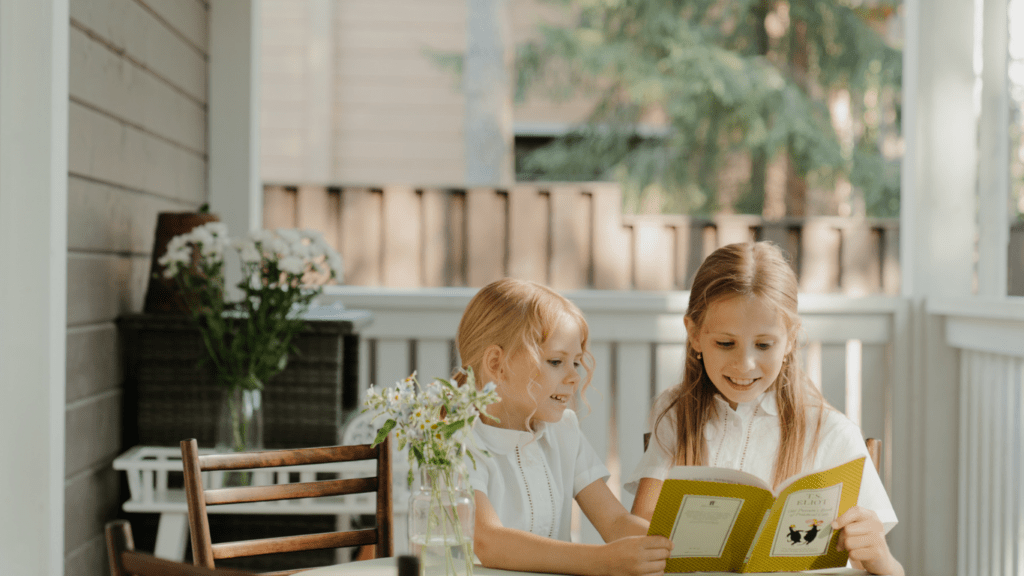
387 567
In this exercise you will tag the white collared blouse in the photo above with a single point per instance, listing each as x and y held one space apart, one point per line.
747 439
531 478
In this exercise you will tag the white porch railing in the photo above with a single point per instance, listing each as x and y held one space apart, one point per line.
990 340
637 341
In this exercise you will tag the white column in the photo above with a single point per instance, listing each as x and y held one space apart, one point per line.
33 283
937 228
937 220
994 158
235 189
486 83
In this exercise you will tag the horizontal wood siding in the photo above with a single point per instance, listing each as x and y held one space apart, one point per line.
568 235
137 146
285 77
350 91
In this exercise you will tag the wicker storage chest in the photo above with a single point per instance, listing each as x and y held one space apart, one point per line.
169 396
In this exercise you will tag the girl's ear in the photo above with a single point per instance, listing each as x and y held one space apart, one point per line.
691 333
491 364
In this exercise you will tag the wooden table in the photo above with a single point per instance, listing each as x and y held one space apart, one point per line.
387 567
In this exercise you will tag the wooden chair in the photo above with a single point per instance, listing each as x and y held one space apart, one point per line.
874 450
126 561
204 552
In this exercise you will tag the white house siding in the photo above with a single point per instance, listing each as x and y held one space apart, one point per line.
376 108
284 77
137 146
397 115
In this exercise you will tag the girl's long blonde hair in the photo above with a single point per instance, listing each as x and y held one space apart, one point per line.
518 316
745 269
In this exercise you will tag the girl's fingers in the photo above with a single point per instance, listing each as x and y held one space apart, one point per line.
657 554
864 554
657 542
855 515
849 516
864 541
647 567
861 528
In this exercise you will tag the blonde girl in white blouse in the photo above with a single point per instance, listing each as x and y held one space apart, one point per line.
744 403
532 343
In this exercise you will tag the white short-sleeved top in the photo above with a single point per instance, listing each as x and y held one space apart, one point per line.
747 439
531 478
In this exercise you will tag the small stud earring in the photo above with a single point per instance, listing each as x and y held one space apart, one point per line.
700 356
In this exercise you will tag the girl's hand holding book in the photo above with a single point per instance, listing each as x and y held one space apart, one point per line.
863 536
635 556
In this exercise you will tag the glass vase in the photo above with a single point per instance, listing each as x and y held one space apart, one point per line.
442 513
240 426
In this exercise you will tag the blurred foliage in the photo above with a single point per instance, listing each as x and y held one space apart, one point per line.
721 83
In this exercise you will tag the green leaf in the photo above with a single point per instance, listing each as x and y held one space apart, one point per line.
417 452
452 428
384 431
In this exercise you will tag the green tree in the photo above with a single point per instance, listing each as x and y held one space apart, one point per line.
731 79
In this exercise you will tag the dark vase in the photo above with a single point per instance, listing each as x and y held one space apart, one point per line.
162 294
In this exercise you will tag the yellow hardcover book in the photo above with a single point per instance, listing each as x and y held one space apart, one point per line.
723 520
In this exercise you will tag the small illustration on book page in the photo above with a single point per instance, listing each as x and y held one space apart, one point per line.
805 527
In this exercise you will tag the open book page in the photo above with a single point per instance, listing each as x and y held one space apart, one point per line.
797 532
725 520
710 523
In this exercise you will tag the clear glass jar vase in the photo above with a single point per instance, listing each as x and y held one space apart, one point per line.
442 513
240 426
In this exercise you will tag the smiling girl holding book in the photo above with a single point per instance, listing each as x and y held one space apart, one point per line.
744 403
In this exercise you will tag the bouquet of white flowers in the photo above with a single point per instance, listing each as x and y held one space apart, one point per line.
248 340
435 422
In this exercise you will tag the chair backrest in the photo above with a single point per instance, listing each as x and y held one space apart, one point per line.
204 552
126 561
874 450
